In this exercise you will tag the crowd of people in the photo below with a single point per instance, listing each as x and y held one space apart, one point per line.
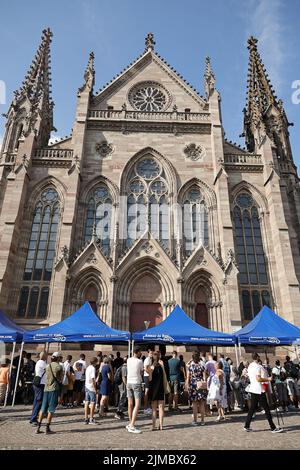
210 384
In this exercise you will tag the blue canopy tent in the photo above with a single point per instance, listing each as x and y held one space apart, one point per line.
83 325
268 329
179 328
10 333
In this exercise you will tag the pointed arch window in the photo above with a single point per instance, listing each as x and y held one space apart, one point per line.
98 218
253 276
148 202
33 300
194 220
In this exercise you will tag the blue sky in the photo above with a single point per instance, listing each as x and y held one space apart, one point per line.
185 33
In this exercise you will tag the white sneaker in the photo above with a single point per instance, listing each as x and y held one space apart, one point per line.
92 421
133 430
195 423
276 430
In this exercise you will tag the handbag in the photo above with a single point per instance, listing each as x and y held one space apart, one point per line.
167 388
201 385
37 379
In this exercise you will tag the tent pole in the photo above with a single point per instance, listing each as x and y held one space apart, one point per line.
18 373
129 343
47 347
236 355
9 374
132 347
240 349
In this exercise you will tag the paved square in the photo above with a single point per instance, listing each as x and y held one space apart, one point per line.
72 433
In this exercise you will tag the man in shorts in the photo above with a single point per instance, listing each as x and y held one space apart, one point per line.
54 377
135 370
79 369
90 392
175 370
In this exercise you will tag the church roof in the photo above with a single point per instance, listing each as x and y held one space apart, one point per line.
149 53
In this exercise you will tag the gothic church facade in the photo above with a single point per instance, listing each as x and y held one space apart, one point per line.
146 204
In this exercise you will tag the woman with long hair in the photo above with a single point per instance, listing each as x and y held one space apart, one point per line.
197 387
158 387
217 391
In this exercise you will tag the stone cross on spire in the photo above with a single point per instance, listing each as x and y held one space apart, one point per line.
149 42
209 78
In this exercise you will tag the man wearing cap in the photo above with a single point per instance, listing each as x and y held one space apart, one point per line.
54 377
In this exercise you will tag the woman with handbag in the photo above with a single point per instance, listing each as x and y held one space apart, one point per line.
217 391
197 387
158 388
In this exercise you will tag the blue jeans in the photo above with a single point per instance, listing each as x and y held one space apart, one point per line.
37 401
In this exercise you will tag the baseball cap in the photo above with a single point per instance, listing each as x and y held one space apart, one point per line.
55 354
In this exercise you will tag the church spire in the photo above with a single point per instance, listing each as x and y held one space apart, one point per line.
31 110
37 82
264 114
209 78
89 75
260 93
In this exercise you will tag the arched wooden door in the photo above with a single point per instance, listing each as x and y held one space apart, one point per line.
145 303
201 311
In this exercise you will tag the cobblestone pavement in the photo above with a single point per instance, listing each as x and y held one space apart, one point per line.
72 433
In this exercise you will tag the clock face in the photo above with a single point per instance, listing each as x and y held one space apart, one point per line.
148 169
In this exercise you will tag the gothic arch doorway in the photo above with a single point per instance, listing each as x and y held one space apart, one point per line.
145 297
201 310
91 295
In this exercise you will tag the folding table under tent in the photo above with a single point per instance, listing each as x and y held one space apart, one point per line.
10 333
82 326
268 329
179 328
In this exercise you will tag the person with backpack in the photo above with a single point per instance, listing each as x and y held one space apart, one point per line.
54 377
292 375
120 379
280 387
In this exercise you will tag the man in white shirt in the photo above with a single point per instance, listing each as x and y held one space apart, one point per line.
258 393
135 369
67 372
38 387
79 369
90 392
147 362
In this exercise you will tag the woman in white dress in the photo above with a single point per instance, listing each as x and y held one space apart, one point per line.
217 391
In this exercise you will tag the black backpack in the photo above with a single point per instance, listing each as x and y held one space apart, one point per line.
118 376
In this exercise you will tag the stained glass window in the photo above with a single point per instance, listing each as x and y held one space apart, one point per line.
98 218
40 255
195 221
250 256
147 202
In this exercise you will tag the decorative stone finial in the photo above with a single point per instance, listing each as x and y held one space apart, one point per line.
209 78
149 42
